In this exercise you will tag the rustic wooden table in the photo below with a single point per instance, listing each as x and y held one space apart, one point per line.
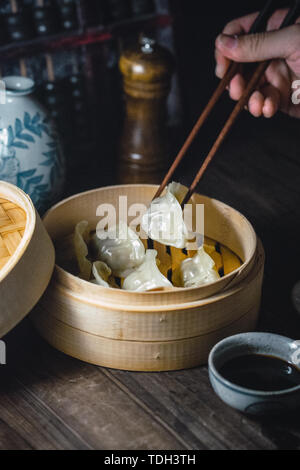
51 401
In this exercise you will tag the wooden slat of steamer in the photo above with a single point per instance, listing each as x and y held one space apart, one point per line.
16 215
165 262
12 218
12 225
173 260
12 241
4 219
4 253
229 260
12 228
210 248
3 261
7 206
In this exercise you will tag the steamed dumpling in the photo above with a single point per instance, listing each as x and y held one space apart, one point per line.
198 270
101 273
163 222
120 248
80 242
147 276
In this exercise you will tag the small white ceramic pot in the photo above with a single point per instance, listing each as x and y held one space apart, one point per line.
250 401
30 150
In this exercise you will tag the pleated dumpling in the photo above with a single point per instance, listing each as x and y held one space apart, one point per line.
164 222
198 270
120 248
101 274
80 242
147 276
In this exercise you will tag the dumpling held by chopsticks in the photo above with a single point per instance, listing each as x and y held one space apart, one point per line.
163 222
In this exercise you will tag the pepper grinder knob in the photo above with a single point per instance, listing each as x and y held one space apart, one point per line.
147 44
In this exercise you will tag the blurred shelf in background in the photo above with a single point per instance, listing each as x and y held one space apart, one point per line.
76 38
71 49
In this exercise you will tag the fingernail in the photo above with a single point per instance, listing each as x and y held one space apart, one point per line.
230 42
220 69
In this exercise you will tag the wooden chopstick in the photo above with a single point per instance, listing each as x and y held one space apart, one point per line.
290 18
258 25
231 120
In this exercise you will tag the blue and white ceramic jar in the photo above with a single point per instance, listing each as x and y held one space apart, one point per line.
30 151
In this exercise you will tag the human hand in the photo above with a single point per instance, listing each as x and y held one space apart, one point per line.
283 46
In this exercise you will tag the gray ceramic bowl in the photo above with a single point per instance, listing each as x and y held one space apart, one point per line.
254 401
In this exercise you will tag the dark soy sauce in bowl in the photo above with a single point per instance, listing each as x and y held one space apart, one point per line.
258 372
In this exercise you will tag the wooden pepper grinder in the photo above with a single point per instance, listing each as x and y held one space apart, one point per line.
147 71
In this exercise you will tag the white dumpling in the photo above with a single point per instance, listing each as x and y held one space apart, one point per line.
163 222
120 248
198 270
147 276
101 273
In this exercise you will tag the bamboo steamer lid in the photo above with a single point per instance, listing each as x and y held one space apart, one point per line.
26 256
12 227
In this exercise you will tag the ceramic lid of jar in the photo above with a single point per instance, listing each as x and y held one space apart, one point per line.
15 85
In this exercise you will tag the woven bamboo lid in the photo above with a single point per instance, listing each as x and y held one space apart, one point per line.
12 226
26 256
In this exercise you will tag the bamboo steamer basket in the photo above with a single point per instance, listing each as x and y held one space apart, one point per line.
25 248
155 331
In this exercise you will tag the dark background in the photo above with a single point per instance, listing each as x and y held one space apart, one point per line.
196 27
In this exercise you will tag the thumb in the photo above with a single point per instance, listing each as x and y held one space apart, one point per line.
279 44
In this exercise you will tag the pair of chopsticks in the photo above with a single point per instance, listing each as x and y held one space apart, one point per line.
258 26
